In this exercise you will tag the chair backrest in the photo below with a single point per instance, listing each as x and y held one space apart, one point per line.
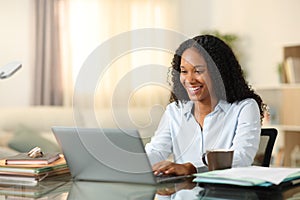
267 141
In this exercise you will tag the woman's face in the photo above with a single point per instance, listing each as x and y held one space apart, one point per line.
194 75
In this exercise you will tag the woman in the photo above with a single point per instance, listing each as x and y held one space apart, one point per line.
211 106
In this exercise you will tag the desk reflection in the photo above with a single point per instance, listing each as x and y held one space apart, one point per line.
101 190
105 190
185 190
181 190
188 190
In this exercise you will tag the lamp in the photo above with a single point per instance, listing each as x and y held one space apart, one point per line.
9 69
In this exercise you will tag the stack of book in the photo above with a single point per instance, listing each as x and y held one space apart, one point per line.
23 170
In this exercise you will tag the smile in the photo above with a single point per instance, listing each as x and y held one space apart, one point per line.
194 89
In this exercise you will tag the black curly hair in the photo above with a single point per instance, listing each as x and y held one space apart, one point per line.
226 73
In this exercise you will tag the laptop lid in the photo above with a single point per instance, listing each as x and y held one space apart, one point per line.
96 154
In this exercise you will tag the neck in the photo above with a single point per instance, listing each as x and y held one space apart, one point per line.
203 108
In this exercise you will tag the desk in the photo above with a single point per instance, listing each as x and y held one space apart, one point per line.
62 190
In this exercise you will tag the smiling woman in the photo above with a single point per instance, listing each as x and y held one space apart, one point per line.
211 107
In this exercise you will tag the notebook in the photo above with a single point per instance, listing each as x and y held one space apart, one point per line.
111 155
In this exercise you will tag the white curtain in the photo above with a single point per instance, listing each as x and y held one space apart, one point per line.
93 22
50 82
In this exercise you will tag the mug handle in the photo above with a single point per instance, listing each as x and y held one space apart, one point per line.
204 159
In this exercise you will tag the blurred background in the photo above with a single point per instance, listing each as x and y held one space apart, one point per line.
263 29
53 38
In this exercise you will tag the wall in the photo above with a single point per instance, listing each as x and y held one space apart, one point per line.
195 16
264 28
16 44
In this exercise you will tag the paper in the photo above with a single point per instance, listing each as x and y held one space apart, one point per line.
268 174
240 182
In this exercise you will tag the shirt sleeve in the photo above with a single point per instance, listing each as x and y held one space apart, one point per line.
160 146
247 136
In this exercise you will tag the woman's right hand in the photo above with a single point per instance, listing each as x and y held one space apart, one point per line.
171 168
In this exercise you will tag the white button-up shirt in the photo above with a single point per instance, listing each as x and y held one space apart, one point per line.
234 126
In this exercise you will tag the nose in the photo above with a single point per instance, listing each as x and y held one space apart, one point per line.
190 78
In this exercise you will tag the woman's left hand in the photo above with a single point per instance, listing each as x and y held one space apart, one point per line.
171 168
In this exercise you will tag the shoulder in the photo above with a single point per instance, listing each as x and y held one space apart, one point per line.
248 101
246 105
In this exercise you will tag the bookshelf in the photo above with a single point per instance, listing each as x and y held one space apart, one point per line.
291 64
284 105
291 51
283 100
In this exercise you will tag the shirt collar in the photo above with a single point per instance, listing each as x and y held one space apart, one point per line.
223 105
187 107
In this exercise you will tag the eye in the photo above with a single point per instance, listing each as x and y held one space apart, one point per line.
200 71
182 71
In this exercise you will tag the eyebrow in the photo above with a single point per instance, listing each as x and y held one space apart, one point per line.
196 66
199 66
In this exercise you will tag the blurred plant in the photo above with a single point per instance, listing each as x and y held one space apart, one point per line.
281 74
229 38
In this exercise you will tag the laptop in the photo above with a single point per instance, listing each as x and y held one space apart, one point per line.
111 155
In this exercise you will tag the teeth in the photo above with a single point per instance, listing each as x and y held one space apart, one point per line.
194 88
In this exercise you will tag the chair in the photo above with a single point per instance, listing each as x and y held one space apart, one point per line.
267 141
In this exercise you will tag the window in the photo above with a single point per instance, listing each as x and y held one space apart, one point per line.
95 21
